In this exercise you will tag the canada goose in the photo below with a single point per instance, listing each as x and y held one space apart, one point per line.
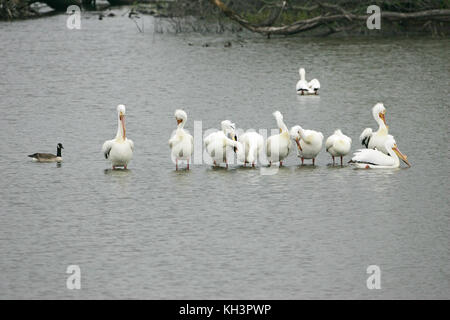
48 157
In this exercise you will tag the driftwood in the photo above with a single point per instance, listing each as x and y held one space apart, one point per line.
333 14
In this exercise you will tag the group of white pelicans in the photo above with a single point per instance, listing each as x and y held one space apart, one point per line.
381 149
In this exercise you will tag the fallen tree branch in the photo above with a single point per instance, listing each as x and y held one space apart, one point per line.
309 24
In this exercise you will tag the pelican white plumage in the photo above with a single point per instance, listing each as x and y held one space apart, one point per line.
216 143
314 86
253 144
278 145
120 149
181 143
377 139
304 87
309 143
375 159
338 145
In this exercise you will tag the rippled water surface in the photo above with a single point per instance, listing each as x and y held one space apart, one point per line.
152 232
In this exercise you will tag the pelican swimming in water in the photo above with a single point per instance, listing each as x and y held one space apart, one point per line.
253 144
181 143
304 87
278 145
375 159
216 143
309 143
338 145
120 149
377 139
48 157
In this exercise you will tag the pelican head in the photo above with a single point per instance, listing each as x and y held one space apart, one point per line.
121 116
180 116
229 128
379 113
296 134
392 145
279 118
301 71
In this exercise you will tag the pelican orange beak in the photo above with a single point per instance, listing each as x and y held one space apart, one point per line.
122 120
401 155
298 144
382 116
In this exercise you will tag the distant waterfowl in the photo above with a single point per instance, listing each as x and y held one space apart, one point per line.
338 145
309 143
120 149
181 143
48 157
253 144
278 145
370 158
217 142
377 139
304 87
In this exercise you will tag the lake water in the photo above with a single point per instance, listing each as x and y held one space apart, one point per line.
154 233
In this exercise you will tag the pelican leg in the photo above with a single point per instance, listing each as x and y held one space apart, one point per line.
281 163
341 160
125 167
215 164
253 165
314 161
333 160
303 159
176 164
226 164
270 163
187 165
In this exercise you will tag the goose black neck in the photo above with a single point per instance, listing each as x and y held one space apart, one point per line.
58 152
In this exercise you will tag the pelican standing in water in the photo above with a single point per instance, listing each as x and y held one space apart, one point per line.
375 159
120 149
48 157
216 143
377 139
338 145
304 87
309 143
252 143
278 145
181 143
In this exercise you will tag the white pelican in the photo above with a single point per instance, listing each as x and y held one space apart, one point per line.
338 145
252 143
304 87
48 157
217 142
309 142
120 149
372 140
370 158
278 145
181 143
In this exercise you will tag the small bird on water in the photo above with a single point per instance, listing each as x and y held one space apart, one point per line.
48 157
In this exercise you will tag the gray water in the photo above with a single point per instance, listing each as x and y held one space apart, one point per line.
154 233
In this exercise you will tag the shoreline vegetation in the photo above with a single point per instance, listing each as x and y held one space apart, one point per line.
265 17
